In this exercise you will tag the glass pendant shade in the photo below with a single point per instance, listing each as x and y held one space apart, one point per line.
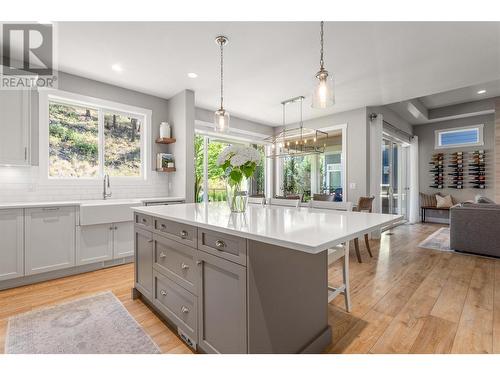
323 94
221 121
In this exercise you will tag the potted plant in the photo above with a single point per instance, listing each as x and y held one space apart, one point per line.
239 164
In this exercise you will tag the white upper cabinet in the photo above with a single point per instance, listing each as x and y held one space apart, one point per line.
14 127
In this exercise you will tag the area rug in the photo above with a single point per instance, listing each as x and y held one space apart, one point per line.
98 324
439 240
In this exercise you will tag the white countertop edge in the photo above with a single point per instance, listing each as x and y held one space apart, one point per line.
37 204
269 240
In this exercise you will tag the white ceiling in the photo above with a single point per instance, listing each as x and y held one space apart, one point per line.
462 95
374 63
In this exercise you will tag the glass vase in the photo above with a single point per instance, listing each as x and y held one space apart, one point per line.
237 196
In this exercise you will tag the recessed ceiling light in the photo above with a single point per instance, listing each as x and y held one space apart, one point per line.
481 92
117 68
192 75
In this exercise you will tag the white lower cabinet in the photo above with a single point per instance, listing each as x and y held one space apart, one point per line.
96 244
105 242
49 239
11 244
123 239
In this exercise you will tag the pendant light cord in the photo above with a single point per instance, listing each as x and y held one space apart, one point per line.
222 76
321 62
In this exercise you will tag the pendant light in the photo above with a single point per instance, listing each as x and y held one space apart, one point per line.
221 120
323 95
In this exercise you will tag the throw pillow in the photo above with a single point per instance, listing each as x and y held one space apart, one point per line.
427 200
444 202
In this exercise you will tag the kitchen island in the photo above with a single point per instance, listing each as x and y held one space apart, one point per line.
254 282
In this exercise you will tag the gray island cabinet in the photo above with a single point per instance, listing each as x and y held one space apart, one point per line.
227 294
254 282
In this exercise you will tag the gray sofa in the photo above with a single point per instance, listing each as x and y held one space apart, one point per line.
475 228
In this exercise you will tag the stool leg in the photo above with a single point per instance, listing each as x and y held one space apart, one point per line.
345 271
367 243
356 247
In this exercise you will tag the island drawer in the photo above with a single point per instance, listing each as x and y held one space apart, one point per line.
177 231
142 220
176 261
230 247
177 304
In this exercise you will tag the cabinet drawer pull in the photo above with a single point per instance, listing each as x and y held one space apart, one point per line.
163 293
50 209
184 266
150 241
184 234
163 226
198 262
162 255
144 220
219 244
184 309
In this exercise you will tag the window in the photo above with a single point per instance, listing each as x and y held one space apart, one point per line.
88 138
459 137
213 188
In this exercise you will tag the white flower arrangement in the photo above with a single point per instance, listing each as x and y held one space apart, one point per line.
238 162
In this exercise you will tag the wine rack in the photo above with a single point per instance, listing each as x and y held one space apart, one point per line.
458 170
437 171
477 169
457 165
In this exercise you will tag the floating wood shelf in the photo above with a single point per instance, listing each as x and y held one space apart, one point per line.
167 170
165 141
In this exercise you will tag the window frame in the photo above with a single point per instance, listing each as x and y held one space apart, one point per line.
102 106
438 133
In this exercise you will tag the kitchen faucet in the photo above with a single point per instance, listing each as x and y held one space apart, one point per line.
105 186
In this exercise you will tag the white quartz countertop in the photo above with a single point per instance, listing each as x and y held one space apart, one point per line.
304 229
88 202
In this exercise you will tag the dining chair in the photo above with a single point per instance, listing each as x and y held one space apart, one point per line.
324 197
256 200
338 252
365 204
284 202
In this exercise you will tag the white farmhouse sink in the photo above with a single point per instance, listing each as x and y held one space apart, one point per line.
94 212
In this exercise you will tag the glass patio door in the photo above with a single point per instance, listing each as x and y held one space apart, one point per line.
390 187
394 178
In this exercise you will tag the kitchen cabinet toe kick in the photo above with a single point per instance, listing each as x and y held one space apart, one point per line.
243 296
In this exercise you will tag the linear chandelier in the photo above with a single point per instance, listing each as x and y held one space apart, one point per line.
299 141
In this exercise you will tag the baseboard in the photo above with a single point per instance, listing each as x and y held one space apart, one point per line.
32 279
437 220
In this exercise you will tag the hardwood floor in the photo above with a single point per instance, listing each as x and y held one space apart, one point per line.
405 300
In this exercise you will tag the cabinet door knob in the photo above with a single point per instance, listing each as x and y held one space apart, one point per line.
115 228
162 255
163 293
220 244
184 234
184 309
110 228
144 220
184 266
163 226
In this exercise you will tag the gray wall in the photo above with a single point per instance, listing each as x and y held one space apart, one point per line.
207 116
426 148
96 89
181 117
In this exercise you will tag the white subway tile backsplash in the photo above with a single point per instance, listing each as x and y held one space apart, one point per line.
21 184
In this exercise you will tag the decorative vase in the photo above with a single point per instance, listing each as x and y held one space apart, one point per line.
237 196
